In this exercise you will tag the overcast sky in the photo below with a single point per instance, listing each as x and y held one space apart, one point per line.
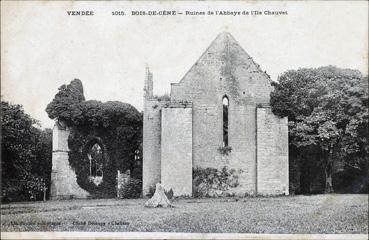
42 47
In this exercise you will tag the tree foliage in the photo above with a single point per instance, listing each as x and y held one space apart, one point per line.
328 117
26 155
117 126
65 103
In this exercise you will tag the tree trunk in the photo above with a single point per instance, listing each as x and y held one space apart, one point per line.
328 180
44 194
305 172
328 173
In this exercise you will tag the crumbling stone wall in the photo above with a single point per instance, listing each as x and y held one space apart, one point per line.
63 178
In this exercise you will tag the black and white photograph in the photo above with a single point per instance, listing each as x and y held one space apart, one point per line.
184 120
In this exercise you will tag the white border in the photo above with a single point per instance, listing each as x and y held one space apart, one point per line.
166 235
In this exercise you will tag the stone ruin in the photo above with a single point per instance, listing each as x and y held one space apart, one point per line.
217 116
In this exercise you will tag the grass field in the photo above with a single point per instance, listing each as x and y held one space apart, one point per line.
292 214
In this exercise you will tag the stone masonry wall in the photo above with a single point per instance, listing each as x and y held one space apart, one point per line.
225 69
176 150
63 178
151 172
272 153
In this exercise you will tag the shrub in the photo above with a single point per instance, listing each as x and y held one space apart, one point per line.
132 189
225 150
211 182
169 194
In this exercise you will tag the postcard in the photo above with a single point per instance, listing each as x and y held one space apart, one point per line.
184 120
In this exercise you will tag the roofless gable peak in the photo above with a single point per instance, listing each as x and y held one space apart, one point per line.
224 52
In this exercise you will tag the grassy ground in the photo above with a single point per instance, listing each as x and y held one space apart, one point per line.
292 214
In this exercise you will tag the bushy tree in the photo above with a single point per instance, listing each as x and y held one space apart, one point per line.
41 165
327 109
26 155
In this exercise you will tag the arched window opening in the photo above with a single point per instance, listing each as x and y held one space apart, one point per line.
225 101
96 158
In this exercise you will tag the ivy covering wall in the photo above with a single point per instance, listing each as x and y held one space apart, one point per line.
115 126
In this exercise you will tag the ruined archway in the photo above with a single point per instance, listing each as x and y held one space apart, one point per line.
99 139
95 152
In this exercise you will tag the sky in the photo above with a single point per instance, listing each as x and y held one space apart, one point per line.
42 47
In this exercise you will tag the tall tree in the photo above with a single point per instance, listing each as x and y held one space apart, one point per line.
327 111
26 154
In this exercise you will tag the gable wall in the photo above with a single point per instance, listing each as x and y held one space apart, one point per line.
225 69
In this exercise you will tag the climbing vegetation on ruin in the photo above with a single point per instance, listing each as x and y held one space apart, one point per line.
225 150
115 126
211 182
